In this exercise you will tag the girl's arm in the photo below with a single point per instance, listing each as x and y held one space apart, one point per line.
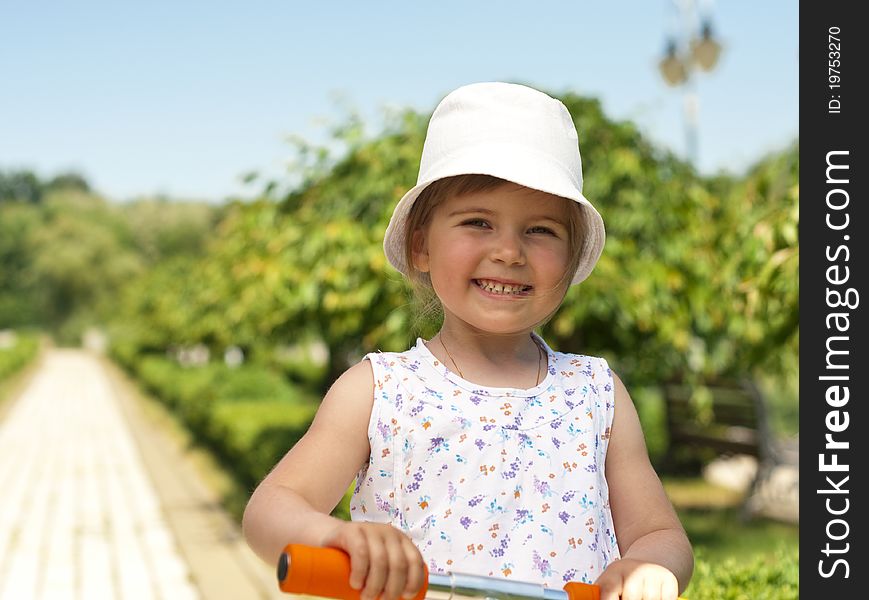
293 502
648 531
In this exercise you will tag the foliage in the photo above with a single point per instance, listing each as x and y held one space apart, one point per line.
65 259
773 577
246 415
20 300
20 186
17 356
25 186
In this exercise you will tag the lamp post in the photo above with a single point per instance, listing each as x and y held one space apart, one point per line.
685 53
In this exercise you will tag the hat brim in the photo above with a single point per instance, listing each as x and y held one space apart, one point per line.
511 163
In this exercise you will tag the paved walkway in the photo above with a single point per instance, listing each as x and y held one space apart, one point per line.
86 512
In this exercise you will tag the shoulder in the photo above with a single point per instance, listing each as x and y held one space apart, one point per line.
349 398
595 367
358 377
626 440
577 358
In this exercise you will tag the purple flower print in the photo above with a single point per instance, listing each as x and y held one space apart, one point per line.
480 444
382 504
542 487
465 522
569 575
523 515
476 400
556 442
417 478
502 547
436 444
565 517
463 422
542 565
475 500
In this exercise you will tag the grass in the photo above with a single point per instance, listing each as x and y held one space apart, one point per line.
710 515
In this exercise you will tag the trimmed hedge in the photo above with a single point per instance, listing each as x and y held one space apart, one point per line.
18 356
247 415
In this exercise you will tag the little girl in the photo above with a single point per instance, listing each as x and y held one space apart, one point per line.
483 450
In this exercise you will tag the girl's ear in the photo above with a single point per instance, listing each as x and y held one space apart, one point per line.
419 249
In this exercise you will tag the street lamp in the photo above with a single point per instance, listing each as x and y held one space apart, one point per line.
683 57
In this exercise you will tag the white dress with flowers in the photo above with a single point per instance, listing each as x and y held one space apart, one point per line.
502 482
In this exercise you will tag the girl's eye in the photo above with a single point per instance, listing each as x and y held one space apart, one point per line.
542 229
475 222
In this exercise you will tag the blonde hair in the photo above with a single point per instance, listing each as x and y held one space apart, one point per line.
428 307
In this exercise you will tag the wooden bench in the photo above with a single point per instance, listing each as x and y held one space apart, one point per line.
723 418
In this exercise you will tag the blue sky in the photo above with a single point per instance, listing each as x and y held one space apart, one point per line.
182 98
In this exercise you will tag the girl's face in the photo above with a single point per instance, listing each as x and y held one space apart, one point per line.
497 258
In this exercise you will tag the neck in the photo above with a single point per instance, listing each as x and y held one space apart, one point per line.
478 350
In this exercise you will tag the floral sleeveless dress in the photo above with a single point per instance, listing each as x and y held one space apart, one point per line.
501 482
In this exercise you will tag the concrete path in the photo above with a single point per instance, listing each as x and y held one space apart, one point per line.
96 503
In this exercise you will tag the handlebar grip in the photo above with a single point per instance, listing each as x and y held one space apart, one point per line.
323 572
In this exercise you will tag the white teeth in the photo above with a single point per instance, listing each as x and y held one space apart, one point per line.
500 288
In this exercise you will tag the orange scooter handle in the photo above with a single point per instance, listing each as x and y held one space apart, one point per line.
325 572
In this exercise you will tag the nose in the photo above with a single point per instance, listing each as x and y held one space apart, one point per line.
508 248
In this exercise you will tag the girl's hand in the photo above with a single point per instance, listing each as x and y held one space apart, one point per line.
382 559
631 579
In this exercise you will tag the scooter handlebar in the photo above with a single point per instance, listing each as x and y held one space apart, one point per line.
325 572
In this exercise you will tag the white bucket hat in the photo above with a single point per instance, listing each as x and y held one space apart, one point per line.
508 131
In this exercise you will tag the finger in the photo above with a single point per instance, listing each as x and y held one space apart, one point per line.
377 568
651 589
415 571
360 559
632 588
396 579
670 589
609 589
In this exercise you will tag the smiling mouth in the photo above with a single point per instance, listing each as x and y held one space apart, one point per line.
503 289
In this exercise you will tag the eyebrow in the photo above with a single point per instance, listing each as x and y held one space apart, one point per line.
486 211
